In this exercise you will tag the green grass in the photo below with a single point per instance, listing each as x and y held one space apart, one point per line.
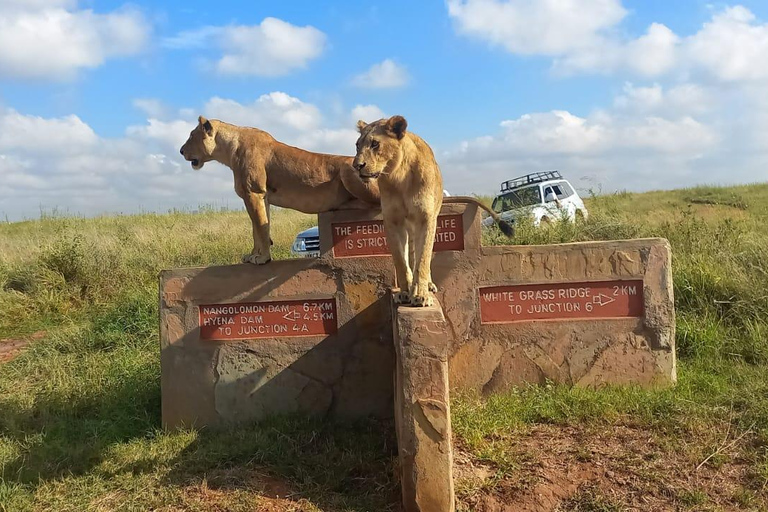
79 411
589 499
721 297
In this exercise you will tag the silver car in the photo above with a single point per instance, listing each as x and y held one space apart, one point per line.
307 244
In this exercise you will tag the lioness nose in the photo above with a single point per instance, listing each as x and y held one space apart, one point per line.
181 151
359 166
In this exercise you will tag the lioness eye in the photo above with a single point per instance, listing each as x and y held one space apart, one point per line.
374 144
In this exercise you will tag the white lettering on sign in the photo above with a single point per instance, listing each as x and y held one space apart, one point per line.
614 299
367 238
268 319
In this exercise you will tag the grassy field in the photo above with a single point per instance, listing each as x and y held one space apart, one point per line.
79 409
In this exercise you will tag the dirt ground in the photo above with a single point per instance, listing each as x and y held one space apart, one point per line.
558 468
617 468
12 347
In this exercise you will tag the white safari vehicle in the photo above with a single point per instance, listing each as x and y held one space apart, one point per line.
543 196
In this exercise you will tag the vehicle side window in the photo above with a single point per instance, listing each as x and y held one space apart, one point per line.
567 189
517 199
556 190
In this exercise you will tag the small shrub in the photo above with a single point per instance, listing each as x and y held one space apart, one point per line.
716 196
67 256
589 498
19 279
692 498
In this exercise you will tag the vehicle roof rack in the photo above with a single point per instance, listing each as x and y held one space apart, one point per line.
530 179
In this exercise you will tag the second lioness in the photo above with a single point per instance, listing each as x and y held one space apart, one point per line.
268 172
411 188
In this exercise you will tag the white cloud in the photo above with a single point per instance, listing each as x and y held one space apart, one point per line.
272 48
49 39
548 27
278 111
62 163
290 120
384 75
367 113
583 36
171 134
562 133
36 4
338 141
193 39
682 99
152 107
731 47
652 54
648 139
40 135
556 131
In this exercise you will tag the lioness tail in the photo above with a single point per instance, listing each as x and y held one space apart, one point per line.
505 226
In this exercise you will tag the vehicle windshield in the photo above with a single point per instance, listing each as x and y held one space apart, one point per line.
517 199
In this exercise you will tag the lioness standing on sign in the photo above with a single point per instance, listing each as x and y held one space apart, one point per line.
268 172
411 188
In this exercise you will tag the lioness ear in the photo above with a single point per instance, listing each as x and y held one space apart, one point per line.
361 125
397 125
206 124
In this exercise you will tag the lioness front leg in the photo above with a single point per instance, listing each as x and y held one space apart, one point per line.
258 211
424 235
397 239
412 264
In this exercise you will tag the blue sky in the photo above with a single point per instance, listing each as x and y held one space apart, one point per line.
96 96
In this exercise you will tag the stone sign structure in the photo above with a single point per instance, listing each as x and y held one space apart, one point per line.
423 409
316 335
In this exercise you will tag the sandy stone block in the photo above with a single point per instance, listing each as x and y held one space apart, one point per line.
187 383
422 411
171 328
251 386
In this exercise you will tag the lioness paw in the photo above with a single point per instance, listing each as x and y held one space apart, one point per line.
255 259
402 298
433 287
422 301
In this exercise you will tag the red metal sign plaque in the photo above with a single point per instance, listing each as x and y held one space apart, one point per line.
366 237
274 319
556 301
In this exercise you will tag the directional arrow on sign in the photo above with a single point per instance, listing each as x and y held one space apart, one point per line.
602 299
291 315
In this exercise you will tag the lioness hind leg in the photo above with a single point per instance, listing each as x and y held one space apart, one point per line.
258 210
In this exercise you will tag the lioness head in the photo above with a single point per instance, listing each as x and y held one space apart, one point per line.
200 145
379 148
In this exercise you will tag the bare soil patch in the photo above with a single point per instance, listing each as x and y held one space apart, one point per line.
10 348
610 468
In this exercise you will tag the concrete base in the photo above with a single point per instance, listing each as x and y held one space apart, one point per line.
422 408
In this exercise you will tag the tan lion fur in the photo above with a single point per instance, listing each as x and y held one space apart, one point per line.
268 172
411 189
